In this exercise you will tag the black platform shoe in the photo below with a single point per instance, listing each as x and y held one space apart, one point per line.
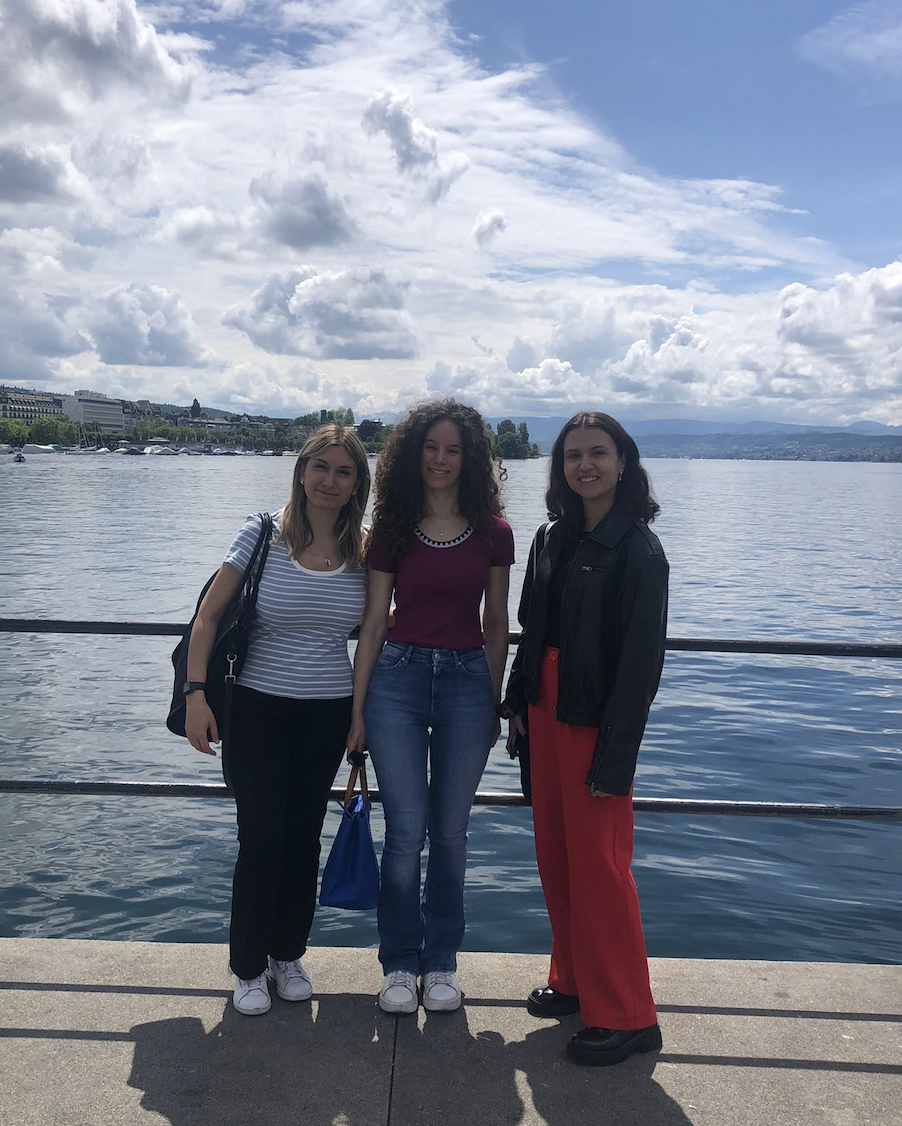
547 1002
601 1047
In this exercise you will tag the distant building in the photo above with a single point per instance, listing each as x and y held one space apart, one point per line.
28 406
92 409
141 411
259 423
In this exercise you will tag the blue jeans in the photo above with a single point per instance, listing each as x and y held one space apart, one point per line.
435 707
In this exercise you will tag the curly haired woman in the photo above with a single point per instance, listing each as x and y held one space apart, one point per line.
424 701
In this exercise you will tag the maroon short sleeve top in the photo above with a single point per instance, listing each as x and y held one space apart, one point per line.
439 587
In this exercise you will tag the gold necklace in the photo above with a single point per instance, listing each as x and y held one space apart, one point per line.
440 534
326 559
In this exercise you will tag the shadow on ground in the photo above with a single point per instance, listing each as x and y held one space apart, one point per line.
340 1062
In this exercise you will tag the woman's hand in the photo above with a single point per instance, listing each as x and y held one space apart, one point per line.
515 727
356 740
600 794
200 723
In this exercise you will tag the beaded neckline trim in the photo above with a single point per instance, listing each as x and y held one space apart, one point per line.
464 535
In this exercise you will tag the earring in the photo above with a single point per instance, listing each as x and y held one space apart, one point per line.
620 475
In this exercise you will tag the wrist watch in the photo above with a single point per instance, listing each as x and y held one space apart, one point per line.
193 686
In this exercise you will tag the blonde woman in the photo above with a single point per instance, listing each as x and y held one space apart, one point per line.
291 710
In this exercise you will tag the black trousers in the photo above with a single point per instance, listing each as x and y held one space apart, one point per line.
283 756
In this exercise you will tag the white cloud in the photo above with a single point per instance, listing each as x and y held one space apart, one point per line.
146 325
34 173
209 235
488 224
542 389
113 157
863 41
348 314
522 354
32 334
38 325
819 354
302 213
205 148
446 175
414 144
54 54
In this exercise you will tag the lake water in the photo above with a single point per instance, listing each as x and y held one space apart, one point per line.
757 549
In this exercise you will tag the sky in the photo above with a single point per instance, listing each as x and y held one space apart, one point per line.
658 210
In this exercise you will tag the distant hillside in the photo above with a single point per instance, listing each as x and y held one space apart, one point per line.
543 431
808 445
687 437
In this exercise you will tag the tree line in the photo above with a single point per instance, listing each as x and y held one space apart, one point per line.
62 431
510 440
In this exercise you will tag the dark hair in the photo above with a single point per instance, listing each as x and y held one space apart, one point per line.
296 532
633 489
399 478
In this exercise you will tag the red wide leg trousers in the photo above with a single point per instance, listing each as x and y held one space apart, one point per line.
584 847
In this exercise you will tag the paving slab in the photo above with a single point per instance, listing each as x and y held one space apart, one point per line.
96 1033
745 1044
103 1033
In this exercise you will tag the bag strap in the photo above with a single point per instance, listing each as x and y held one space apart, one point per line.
261 547
258 561
358 771
252 575
539 540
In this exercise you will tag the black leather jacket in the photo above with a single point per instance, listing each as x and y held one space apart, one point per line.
613 626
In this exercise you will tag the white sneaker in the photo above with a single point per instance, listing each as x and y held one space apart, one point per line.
292 980
441 993
251 995
399 992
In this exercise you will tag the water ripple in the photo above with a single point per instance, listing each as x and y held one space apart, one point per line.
757 549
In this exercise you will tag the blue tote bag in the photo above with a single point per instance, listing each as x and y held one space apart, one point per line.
351 876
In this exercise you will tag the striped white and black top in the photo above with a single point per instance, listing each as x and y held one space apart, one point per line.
299 644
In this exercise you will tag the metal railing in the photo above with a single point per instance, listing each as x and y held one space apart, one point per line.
483 798
675 644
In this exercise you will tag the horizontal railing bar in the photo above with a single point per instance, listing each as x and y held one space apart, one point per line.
485 797
675 644
124 629
784 648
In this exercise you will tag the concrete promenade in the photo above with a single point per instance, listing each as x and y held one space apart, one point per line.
104 1033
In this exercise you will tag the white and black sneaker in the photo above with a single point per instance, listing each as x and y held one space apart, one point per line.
292 980
251 995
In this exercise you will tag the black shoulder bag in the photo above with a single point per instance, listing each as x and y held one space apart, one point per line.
229 647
